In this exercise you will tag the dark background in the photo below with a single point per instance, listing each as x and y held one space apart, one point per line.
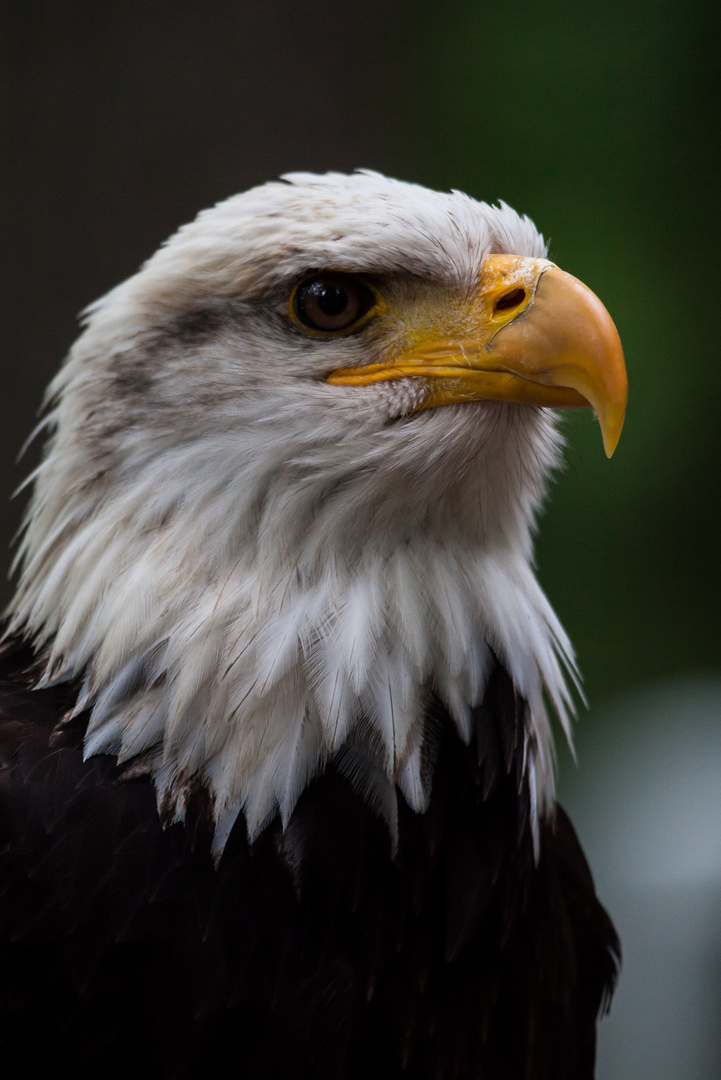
120 122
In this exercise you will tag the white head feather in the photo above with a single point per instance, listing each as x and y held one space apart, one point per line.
242 560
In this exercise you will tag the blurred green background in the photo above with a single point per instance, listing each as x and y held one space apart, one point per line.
598 120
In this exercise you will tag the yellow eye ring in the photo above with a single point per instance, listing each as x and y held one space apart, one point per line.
331 304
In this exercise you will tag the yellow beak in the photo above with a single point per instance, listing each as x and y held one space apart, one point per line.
532 334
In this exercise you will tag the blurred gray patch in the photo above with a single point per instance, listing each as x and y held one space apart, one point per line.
646 800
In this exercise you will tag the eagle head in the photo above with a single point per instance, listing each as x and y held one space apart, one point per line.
289 490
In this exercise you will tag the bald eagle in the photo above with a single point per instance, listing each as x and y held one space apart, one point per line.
276 785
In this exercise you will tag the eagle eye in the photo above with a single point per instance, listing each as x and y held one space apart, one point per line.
331 304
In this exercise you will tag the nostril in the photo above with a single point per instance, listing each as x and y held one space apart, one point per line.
511 299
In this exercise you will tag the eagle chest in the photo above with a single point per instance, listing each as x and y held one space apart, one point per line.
317 951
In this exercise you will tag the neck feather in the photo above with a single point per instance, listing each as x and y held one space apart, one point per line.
241 633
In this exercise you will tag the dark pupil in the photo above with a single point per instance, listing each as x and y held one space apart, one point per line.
332 300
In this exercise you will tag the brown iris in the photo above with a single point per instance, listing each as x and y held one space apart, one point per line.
331 303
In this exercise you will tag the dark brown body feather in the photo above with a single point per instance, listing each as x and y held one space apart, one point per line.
316 953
